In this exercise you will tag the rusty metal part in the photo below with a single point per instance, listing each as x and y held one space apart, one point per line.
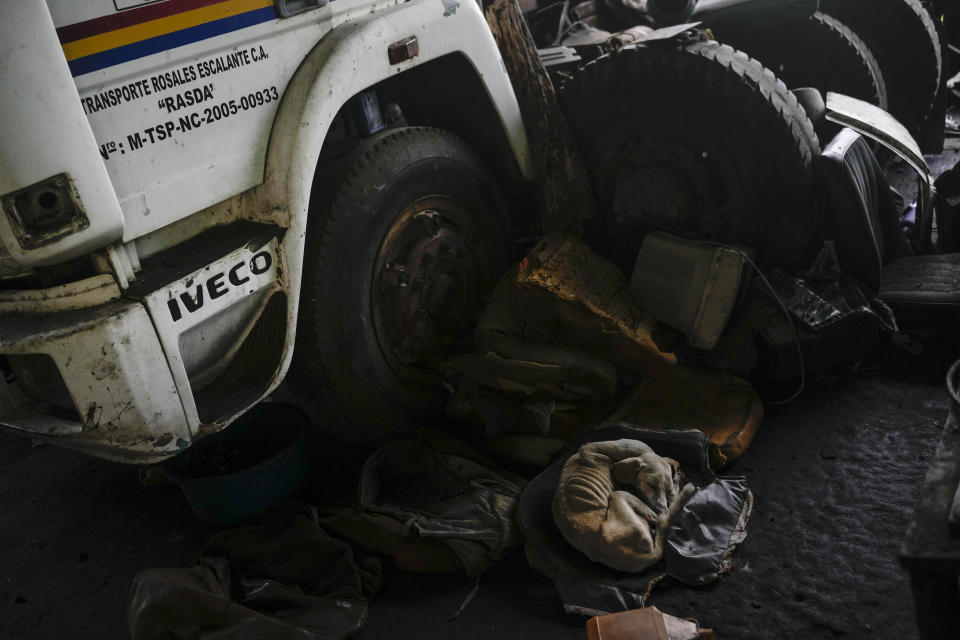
576 298
46 211
426 284
403 50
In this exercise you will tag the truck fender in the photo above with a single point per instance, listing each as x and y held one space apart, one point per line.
347 60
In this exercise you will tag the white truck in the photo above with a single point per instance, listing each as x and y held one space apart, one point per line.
200 196
193 188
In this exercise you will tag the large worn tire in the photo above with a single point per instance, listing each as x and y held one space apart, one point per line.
699 140
413 236
903 37
819 52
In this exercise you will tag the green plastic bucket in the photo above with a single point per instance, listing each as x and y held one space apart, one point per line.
232 475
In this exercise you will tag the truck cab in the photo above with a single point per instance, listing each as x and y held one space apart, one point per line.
173 171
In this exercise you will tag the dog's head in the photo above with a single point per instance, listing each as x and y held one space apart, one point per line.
653 479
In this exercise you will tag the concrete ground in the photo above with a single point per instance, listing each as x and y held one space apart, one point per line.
835 475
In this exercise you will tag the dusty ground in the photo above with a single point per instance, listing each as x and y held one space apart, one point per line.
835 476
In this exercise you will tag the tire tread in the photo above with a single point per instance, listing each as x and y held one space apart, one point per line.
707 68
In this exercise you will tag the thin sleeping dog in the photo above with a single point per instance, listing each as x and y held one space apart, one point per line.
615 500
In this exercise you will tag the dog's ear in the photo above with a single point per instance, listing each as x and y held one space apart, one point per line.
676 466
625 471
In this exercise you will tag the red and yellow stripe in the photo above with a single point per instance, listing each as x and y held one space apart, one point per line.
128 35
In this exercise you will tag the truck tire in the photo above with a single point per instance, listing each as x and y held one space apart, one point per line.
903 37
414 234
819 52
698 140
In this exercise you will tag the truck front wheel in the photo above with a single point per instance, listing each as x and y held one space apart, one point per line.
414 236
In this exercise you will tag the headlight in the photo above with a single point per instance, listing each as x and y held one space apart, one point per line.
45 212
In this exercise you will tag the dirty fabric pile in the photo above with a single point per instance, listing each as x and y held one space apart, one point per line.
550 342
603 571
432 504
606 521
566 343
282 577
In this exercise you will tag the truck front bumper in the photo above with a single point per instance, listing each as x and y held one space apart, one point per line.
93 379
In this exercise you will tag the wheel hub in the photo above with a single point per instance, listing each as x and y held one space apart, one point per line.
673 181
426 285
658 194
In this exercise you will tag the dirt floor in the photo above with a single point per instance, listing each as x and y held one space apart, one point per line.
835 475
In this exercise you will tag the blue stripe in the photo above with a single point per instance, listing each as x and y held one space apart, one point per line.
168 41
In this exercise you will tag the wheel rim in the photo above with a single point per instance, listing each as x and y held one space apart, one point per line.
430 270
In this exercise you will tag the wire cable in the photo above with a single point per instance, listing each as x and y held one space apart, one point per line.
783 307
793 329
